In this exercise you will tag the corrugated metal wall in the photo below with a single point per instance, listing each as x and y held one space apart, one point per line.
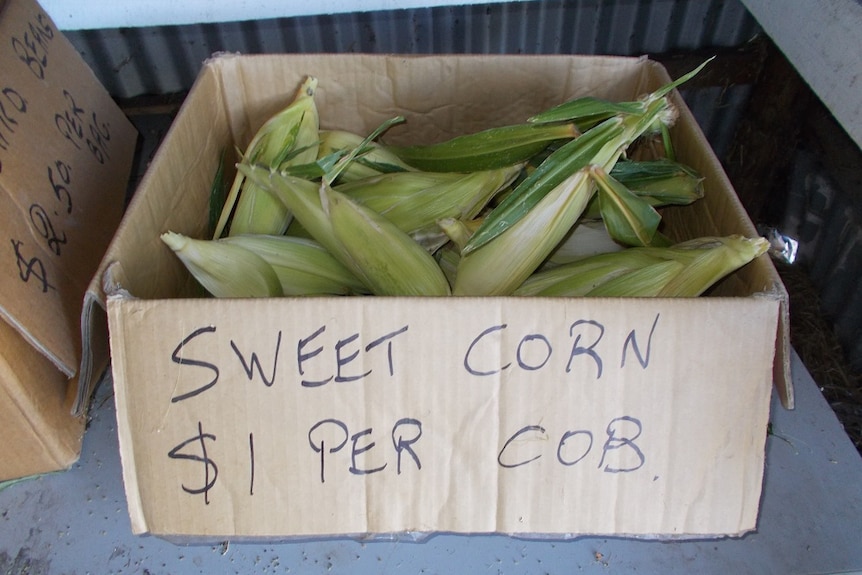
826 220
166 59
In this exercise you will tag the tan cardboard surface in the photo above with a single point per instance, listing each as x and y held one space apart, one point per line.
702 410
308 417
65 156
39 432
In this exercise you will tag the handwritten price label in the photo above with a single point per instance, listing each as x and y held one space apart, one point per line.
65 156
338 447
31 268
83 129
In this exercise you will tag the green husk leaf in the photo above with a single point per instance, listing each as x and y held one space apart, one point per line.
586 111
715 258
580 277
218 194
568 159
387 260
628 218
303 266
485 150
359 150
668 88
416 200
644 282
501 265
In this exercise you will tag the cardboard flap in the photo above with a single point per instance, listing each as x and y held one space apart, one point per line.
472 415
65 156
39 432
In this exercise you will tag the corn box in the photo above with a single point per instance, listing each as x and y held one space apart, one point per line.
373 416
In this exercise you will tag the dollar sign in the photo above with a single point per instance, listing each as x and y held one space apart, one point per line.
30 268
209 478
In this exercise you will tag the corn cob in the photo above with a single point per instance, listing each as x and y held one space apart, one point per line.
522 240
415 201
648 281
502 265
580 277
288 138
302 198
385 259
303 266
224 270
661 181
541 210
563 163
638 271
715 258
486 150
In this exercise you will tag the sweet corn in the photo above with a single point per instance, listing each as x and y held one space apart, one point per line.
303 266
288 138
715 258
384 258
415 201
387 260
646 271
580 277
659 182
224 270
507 249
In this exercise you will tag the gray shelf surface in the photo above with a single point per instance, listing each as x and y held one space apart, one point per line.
76 522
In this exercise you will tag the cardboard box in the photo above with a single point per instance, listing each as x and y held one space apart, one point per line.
65 155
290 417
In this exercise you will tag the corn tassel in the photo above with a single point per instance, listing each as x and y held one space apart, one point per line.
224 270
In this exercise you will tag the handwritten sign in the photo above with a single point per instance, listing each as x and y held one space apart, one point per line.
378 415
65 155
